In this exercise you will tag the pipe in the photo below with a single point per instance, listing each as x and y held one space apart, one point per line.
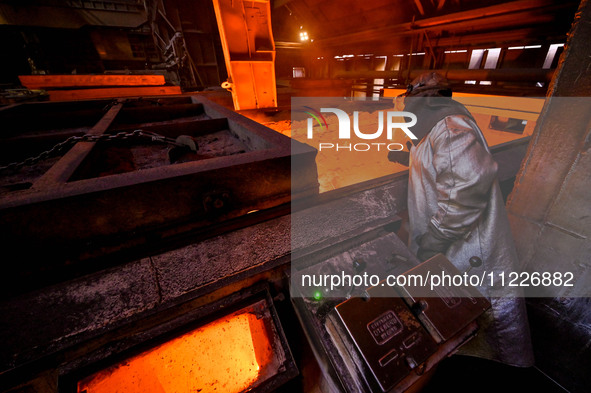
502 75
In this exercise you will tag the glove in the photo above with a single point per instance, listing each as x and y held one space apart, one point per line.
400 156
430 244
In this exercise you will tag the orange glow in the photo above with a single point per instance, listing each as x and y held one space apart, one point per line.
45 81
112 92
227 355
338 169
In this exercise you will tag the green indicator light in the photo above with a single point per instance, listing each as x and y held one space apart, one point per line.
317 295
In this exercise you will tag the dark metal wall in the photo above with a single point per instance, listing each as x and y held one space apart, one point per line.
549 213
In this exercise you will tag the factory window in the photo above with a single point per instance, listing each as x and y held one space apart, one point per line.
378 84
492 58
396 63
478 55
378 87
554 49
528 56
299 72
525 47
476 59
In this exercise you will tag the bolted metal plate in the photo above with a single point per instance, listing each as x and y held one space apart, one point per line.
391 341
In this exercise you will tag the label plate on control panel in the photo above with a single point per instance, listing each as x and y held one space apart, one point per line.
386 334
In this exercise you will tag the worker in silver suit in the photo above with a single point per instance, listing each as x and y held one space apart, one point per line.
456 208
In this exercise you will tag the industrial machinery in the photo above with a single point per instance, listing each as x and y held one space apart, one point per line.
148 231
143 223
387 338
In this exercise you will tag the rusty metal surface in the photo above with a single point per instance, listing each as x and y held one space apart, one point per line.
97 200
249 51
44 81
549 213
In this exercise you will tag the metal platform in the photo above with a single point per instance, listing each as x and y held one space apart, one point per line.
112 191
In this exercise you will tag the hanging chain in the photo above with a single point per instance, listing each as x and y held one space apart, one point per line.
15 166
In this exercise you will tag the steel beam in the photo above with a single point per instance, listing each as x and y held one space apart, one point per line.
249 50
507 75
45 81
506 14
112 92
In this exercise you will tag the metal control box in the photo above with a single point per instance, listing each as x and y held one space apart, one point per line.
393 334
390 339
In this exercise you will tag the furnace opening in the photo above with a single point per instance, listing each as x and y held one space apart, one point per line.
234 353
